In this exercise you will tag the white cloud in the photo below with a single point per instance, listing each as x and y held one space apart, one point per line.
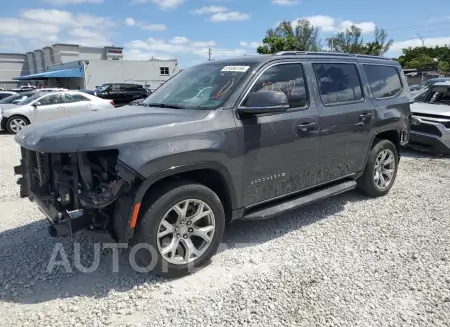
285 2
70 2
221 14
209 10
179 45
330 24
87 37
246 44
9 43
162 4
136 54
40 27
428 42
230 15
145 26
154 27
130 21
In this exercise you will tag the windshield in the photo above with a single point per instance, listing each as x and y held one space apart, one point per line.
205 86
16 98
31 99
103 87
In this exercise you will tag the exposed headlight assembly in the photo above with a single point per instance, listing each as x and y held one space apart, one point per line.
416 121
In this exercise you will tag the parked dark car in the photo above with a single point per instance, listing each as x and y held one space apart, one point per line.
137 102
121 93
244 138
91 92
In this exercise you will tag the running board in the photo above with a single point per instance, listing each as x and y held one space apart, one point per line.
283 207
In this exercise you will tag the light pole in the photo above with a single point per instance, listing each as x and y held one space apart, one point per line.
423 43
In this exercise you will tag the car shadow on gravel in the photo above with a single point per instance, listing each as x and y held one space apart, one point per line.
249 233
26 252
421 154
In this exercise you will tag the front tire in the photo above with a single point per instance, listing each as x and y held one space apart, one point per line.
15 124
381 169
184 225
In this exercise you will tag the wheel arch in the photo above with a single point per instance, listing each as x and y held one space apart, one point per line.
6 119
211 174
392 135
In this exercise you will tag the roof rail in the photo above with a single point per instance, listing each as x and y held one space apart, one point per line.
341 54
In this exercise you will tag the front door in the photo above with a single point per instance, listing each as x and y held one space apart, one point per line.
48 107
346 115
280 150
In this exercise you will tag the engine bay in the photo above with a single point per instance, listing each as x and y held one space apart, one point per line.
75 190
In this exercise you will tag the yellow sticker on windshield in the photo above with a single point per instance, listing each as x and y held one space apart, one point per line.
239 69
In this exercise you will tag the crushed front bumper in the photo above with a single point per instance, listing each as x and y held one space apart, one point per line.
430 135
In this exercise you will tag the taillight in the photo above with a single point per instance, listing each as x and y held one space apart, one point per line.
112 102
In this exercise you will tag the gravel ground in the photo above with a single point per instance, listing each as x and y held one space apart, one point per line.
348 261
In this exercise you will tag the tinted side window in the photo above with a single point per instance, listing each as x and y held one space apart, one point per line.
338 83
51 99
384 80
287 78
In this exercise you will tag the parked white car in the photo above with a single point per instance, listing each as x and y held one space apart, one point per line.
42 107
5 94
51 89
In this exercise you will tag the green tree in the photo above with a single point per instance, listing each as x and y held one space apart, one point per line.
444 67
380 45
351 41
423 61
423 57
285 37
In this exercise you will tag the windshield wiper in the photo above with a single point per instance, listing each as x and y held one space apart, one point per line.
163 105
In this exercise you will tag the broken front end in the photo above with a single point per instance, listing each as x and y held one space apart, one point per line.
76 191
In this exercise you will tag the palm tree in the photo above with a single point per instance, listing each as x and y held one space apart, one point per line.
304 37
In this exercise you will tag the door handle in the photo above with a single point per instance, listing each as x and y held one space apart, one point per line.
60 108
304 127
366 115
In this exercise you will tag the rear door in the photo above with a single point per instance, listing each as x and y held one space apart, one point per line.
48 107
346 115
76 104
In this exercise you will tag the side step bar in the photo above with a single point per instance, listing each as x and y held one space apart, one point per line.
283 207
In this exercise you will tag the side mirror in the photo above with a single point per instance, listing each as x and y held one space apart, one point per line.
36 104
265 102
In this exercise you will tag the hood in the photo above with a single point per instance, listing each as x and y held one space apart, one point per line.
106 129
7 106
431 109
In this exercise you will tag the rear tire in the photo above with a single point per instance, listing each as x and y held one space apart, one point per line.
170 255
381 169
15 123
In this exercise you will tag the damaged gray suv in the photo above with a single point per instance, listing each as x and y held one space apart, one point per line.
245 138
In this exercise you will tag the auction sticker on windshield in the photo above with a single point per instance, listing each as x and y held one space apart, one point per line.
240 69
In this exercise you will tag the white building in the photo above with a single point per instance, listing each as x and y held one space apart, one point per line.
73 66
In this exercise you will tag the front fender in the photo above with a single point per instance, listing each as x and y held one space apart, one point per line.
134 211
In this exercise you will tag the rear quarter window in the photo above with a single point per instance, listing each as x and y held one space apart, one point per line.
384 81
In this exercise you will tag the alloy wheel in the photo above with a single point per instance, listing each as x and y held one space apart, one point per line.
186 231
384 169
17 124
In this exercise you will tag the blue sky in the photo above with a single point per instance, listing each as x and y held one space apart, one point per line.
185 29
